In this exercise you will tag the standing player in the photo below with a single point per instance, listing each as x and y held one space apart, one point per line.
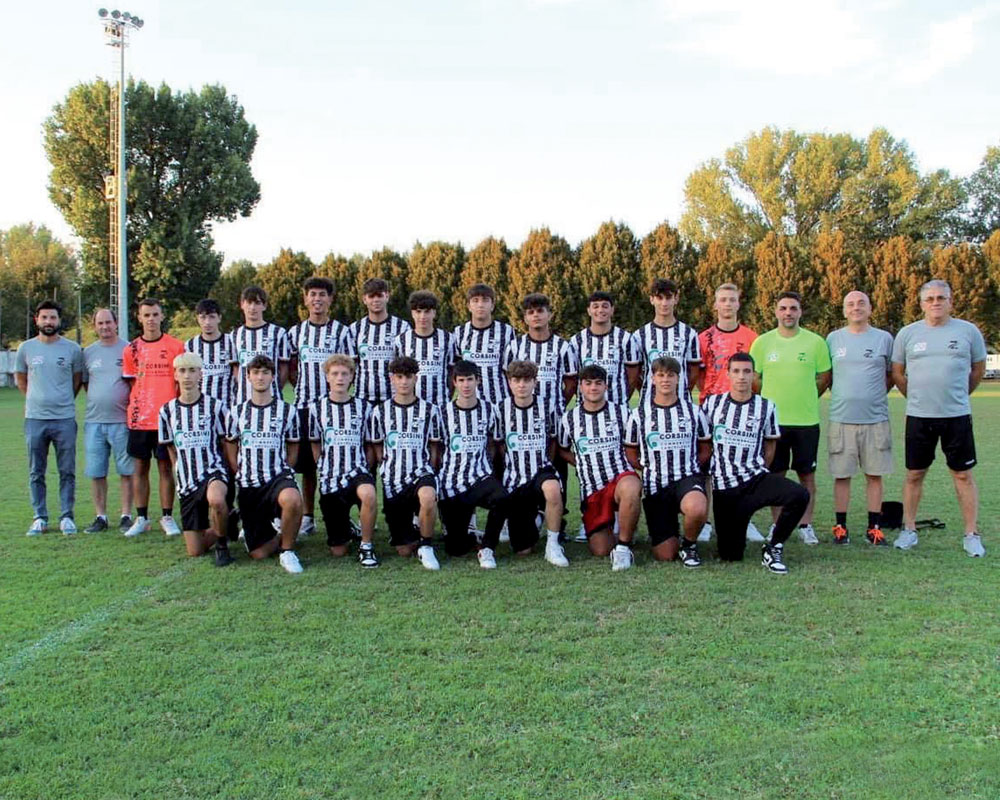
525 430
610 347
667 336
311 343
406 434
467 481
215 349
431 347
745 435
859 432
592 437
257 337
669 440
337 427
192 427
148 366
793 371
261 442
484 341
375 338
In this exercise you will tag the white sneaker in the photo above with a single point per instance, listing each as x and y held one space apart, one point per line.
486 559
907 539
427 557
807 534
754 535
67 526
276 524
307 526
582 535
555 554
140 525
290 562
621 558
974 545
38 527
706 532
505 534
169 526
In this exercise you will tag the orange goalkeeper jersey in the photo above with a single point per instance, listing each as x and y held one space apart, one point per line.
717 346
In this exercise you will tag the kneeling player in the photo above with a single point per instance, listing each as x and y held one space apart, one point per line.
337 425
406 436
744 437
192 427
591 437
262 442
525 430
668 438
467 482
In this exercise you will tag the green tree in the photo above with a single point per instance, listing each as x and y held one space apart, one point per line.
975 297
437 267
897 273
609 261
347 305
983 188
664 254
230 283
485 263
991 252
780 270
282 279
188 157
716 266
839 272
543 263
392 267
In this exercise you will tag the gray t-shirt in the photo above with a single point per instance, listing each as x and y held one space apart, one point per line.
107 392
50 368
938 360
860 363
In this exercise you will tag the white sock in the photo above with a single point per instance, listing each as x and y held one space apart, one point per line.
103 516
553 536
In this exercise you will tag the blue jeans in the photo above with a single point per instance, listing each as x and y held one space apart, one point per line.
62 433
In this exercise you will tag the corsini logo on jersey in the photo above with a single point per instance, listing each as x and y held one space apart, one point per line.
404 440
488 355
722 433
525 441
466 443
336 437
252 438
591 445
193 438
246 356
375 352
666 440
313 354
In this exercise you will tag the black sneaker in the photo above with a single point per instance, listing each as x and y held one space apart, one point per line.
99 525
771 558
223 558
689 555
367 557
125 522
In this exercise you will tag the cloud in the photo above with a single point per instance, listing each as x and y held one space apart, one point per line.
947 44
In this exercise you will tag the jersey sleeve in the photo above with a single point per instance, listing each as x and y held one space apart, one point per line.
348 346
631 346
496 424
128 361
314 431
234 356
563 432
977 346
823 363
755 353
693 347
292 433
163 425
376 431
771 429
899 348
293 345
397 345
508 354
702 429
570 360
632 428
78 365
284 345
221 421
452 352
435 425
637 344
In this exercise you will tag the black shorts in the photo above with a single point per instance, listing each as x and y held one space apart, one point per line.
798 446
957 442
259 507
456 513
304 461
194 505
523 506
399 509
336 510
144 444
662 507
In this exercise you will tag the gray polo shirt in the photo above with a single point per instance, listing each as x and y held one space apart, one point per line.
50 368
937 361
107 392
860 363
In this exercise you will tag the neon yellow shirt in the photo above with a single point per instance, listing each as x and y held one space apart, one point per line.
788 367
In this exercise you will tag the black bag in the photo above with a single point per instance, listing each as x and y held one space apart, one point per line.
892 514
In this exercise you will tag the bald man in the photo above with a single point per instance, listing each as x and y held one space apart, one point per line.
858 435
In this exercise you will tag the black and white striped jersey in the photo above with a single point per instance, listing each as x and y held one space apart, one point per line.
555 358
265 340
597 438
311 345
217 366
679 340
613 351
262 433
340 429
436 355
376 344
404 432
195 430
667 438
526 433
485 347
465 433
738 432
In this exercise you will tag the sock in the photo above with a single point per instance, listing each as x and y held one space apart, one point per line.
553 536
426 542
142 511
627 545
803 524
103 516
842 519
874 519
167 512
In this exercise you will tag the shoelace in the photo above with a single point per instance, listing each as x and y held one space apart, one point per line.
839 532
877 535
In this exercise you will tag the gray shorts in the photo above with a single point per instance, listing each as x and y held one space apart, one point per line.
866 446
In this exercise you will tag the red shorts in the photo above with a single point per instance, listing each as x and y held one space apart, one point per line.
599 508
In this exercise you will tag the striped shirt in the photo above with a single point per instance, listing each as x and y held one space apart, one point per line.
262 432
376 347
217 366
404 432
556 360
738 432
613 351
465 433
436 355
597 439
195 430
667 438
311 345
526 434
265 340
340 429
485 347
678 340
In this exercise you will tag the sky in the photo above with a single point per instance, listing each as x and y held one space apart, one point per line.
385 123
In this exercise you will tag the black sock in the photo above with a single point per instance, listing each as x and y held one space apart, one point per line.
874 519
803 524
842 518
426 542
167 512
142 511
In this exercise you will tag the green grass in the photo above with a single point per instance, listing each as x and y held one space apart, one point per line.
127 670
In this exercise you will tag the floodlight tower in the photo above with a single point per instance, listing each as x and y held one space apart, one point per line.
117 27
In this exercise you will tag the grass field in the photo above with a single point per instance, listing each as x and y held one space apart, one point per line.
128 671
